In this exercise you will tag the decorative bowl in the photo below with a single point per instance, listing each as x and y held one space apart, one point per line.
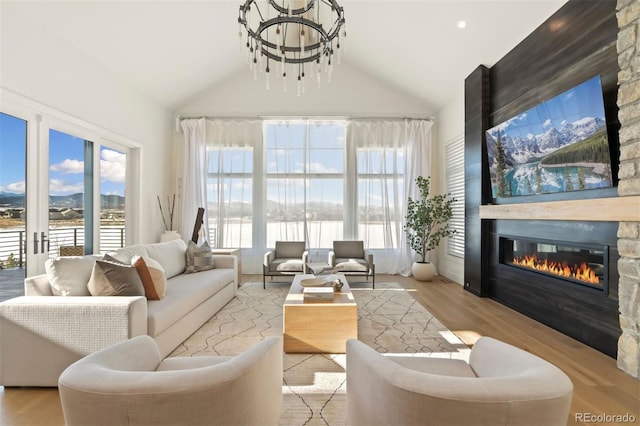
313 282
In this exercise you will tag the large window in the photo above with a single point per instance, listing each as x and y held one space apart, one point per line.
380 196
230 196
308 180
304 182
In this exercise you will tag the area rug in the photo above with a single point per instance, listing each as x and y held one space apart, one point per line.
389 319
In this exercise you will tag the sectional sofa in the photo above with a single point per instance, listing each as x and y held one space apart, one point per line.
41 334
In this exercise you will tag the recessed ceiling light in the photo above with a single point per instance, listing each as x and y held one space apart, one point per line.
461 24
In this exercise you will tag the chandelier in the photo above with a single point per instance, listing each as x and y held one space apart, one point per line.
298 37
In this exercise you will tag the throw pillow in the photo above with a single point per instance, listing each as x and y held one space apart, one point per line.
152 276
198 258
114 279
170 254
69 273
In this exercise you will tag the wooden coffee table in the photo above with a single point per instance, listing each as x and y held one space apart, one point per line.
319 327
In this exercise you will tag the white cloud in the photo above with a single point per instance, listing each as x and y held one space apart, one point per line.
113 166
242 185
529 135
321 168
57 186
16 187
68 166
547 123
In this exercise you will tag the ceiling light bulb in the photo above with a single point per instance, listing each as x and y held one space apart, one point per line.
461 24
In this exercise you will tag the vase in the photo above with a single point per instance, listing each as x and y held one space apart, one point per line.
423 271
169 236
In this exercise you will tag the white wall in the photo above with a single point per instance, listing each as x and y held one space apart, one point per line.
350 92
42 68
450 126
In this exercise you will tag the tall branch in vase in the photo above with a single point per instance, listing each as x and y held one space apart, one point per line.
171 207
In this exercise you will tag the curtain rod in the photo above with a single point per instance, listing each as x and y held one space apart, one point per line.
290 117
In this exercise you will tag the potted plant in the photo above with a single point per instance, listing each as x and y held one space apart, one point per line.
427 222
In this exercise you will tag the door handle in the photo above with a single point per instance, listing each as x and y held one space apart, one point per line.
43 238
35 243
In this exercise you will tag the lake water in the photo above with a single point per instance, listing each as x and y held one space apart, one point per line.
522 179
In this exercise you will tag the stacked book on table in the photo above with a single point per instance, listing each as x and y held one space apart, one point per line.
317 294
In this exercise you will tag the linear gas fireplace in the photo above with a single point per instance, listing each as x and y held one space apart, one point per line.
582 264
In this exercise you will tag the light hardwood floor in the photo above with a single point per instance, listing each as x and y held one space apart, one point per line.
599 387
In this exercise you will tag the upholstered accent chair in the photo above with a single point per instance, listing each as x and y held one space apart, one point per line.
129 384
501 385
288 258
350 258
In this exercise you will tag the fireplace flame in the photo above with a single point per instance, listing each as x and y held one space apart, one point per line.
580 272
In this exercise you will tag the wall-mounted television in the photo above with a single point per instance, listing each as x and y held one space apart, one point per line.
557 146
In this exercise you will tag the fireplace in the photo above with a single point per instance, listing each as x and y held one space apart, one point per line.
563 274
575 264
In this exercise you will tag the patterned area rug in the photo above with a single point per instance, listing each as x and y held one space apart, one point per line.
314 385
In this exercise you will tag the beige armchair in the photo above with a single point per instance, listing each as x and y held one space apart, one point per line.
501 385
129 384
350 258
288 258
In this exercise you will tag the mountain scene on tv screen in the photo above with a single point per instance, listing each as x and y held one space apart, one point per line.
559 145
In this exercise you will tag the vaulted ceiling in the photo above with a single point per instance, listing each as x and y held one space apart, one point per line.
171 50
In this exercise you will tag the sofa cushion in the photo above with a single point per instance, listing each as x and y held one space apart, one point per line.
152 276
170 254
71 273
352 265
125 254
114 279
286 265
199 258
184 293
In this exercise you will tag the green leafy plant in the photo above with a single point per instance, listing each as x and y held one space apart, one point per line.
427 220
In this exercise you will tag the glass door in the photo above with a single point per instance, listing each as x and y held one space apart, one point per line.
61 194
70 186
13 204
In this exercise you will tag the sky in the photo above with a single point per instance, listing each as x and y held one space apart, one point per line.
66 162
584 100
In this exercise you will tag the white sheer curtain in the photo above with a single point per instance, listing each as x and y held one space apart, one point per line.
234 182
193 172
209 148
388 155
303 180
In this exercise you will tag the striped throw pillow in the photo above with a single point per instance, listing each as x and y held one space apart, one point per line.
199 258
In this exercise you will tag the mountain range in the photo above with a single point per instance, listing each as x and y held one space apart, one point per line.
521 151
74 201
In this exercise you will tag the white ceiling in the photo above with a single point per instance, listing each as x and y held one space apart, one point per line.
171 50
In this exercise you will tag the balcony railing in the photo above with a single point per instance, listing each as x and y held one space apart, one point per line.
13 247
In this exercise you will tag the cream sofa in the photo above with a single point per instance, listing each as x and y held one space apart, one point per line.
42 334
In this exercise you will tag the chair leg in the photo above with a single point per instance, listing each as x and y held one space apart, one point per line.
373 276
264 281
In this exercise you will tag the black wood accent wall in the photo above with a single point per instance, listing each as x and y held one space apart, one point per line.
577 43
476 180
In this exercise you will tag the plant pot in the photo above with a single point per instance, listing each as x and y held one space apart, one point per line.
423 271
169 236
